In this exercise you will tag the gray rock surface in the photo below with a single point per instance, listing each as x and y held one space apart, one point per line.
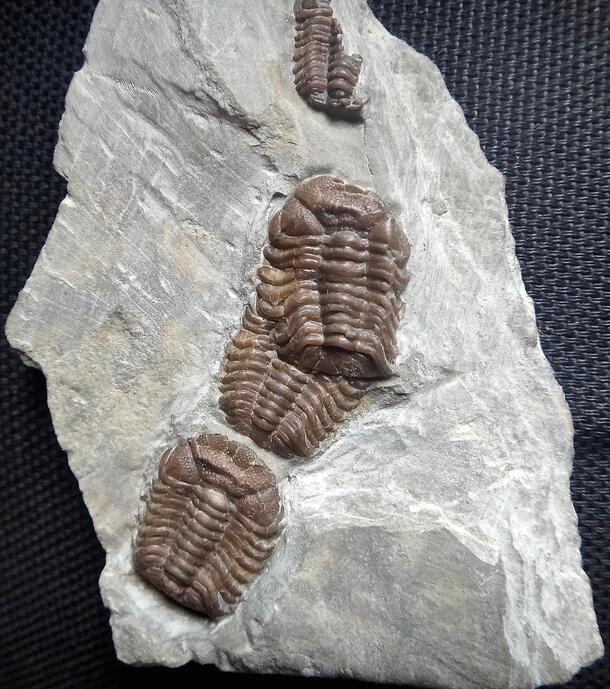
431 539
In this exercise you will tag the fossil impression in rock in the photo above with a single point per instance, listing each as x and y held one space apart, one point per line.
211 522
325 76
324 321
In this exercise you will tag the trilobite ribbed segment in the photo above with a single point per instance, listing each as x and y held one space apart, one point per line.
324 320
280 407
325 76
211 522
338 265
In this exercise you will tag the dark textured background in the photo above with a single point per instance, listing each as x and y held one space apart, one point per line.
532 77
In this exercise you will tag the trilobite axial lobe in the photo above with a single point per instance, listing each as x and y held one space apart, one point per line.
324 321
211 522
324 75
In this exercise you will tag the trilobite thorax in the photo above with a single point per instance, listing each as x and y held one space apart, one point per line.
324 321
325 76
211 522
282 408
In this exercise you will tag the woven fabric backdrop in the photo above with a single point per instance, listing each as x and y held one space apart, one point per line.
532 77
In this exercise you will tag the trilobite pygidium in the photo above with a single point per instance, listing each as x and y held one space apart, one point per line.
325 318
325 76
211 522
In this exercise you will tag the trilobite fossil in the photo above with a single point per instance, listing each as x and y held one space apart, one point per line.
280 407
337 268
324 321
325 76
211 522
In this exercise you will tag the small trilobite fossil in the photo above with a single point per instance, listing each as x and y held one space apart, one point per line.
325 76
211 522
324 321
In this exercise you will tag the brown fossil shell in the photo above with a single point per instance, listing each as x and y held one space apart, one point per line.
280 407
324 75
325 318
338 265
211 522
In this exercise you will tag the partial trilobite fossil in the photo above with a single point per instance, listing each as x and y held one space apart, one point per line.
211 522
325 76
280 407
324 321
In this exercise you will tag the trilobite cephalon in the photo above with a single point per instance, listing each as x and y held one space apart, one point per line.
325 76
211 522
324 321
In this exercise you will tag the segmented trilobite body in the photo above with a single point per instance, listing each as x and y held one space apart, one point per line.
314 23
324 320
211 522
280 407
343 73
338 266
325 76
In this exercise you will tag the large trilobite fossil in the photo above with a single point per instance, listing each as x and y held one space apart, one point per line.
324 321
337 267
324 75
211 522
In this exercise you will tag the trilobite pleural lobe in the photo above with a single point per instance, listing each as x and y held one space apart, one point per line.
325 318
324 75
211 522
